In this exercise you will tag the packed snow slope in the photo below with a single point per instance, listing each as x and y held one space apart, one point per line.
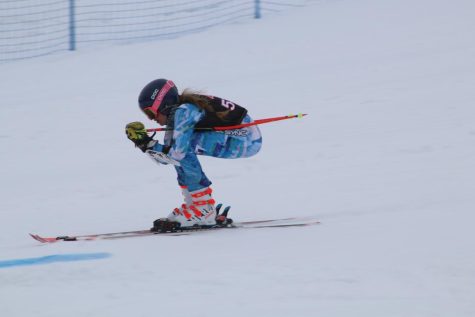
385 160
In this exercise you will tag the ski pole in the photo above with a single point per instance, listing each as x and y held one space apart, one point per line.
238 126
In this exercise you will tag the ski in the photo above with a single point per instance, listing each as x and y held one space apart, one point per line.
270 223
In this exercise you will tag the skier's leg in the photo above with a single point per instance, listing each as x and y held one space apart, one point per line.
245 142
241 147
199 207
230 144
190 173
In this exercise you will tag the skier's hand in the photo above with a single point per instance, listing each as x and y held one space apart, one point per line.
136 133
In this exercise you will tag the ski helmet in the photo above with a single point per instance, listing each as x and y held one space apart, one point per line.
160 95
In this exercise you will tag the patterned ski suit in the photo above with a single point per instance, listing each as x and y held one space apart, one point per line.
186 144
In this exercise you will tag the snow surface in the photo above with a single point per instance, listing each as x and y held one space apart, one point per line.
386 161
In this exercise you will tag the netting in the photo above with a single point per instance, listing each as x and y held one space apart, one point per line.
30 28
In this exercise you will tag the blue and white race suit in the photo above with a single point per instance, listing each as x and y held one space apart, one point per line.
186 144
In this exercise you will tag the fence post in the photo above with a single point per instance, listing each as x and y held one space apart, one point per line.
257 9
72 26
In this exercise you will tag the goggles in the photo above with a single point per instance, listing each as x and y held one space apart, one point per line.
150 113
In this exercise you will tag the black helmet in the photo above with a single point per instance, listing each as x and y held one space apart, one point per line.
160 95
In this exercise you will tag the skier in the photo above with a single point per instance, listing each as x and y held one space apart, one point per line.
184 114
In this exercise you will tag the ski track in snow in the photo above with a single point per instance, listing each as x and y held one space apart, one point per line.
385 160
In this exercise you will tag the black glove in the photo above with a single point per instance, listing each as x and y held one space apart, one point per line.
136 133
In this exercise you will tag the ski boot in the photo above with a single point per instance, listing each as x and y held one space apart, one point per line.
222 219
200 213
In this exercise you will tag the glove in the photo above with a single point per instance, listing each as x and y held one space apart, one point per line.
136 133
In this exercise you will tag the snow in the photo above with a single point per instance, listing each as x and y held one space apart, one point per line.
385 160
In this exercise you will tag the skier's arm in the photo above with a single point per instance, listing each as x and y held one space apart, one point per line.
186 117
